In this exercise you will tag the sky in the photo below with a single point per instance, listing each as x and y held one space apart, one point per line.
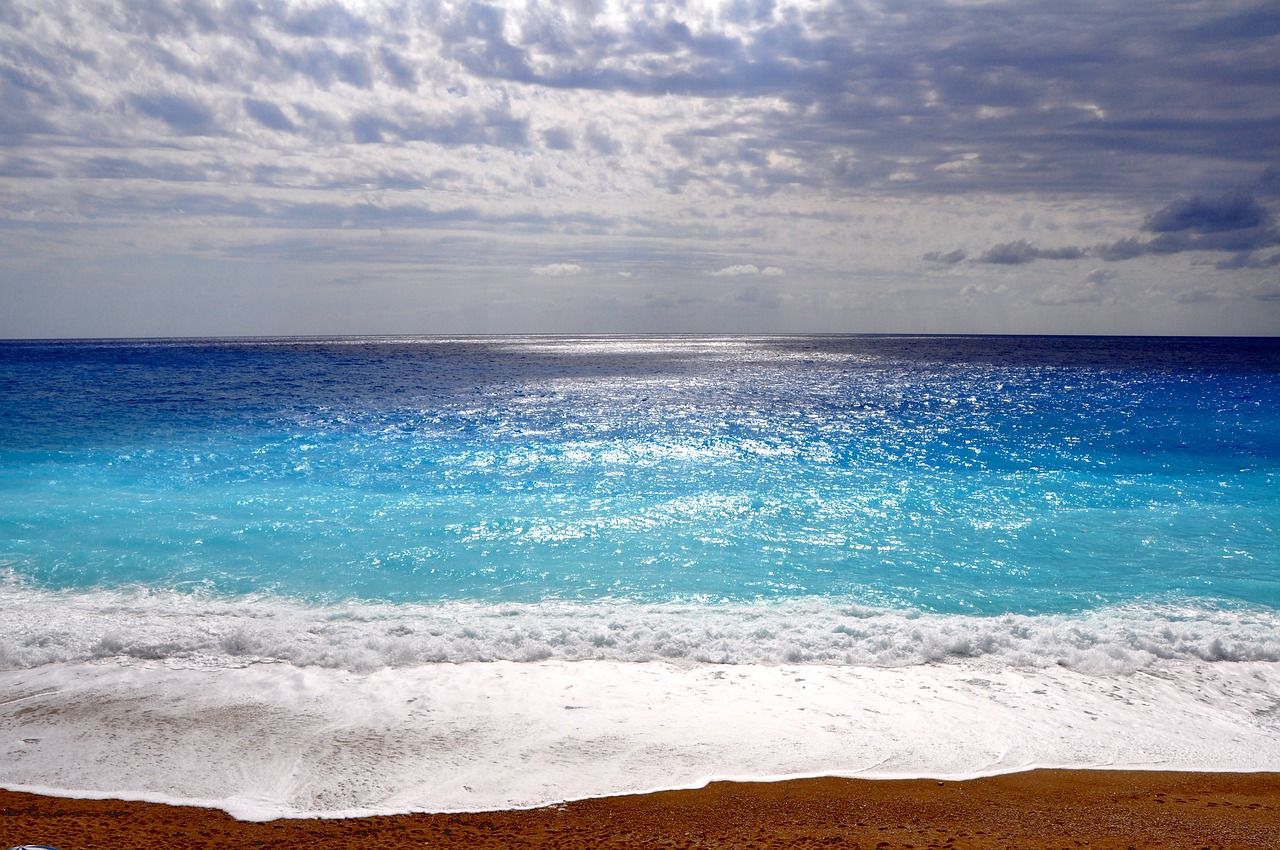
271 167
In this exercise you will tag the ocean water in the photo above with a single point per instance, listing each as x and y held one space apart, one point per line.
273 554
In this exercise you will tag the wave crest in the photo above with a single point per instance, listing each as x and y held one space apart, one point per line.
149 625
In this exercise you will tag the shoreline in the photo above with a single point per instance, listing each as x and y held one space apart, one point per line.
274 741
1043 808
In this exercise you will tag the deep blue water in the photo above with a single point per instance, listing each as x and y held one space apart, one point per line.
986 475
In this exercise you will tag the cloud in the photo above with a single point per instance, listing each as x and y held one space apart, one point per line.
21 166
558 270
1121 249
931 98
119 168
1022 251
326 66
1233 222
759 298
600 141
475 37
268 115
1096 288
950 258
1249 260
492 126
558 139
1234 210
983 289
747 269
326 19
1202 296
185 115
1269 182
401 72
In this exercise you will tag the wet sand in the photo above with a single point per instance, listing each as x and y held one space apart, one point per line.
1037 809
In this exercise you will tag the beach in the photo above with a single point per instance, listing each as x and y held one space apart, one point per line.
1035 809
269 741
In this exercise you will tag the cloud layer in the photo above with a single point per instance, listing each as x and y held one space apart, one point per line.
681 149
1234 223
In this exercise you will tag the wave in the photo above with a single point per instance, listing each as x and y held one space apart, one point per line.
206 630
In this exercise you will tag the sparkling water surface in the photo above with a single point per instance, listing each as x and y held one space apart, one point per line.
946 474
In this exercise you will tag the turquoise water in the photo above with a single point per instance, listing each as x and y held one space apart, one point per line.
947 476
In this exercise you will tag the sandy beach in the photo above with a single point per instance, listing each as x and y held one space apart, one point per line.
1036 809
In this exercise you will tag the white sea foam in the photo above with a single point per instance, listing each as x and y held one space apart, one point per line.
270 707
202 630
270 740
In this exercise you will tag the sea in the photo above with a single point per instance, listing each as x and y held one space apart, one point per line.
355 575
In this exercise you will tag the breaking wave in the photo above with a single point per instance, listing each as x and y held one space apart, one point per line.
205 630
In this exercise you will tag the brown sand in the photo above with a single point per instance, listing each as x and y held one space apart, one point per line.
1039 809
